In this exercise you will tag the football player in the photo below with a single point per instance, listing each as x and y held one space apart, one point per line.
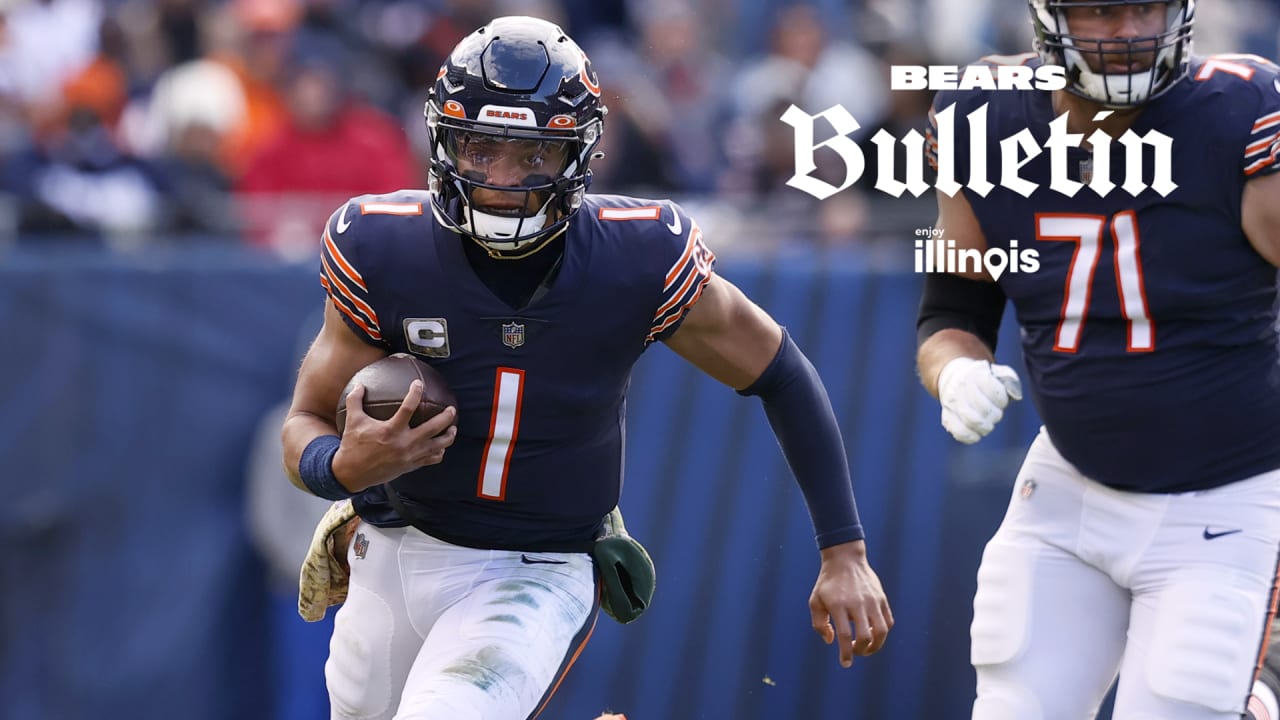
1142 533
471 590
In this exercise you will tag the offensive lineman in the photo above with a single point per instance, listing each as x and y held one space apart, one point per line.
1142 533
471 592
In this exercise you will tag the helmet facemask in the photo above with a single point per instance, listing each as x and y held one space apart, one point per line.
1150 65
513 120
509 189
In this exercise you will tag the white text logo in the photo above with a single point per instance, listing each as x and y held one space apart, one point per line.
977 77
1015 152
933 254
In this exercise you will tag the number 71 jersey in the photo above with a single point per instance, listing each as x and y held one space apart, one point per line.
537 462
1149 329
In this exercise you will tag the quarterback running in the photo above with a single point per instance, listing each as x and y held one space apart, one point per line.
472 587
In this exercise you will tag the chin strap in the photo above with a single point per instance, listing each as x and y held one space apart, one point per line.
524 252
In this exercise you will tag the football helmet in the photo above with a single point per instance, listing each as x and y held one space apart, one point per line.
1058 46
514 112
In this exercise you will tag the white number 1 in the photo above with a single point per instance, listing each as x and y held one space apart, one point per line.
504 424
1086 232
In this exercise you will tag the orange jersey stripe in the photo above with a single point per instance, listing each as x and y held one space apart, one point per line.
347 268
676 296
360 306
695 235
1267 121
1261 145
655 332
371 332
1260 165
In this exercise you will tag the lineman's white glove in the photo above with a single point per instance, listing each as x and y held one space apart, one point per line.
974 394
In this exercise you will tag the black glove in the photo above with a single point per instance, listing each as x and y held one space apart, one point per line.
626 571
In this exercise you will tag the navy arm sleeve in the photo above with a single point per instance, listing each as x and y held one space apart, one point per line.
800 413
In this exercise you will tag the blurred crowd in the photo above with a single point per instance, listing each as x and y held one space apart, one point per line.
129 123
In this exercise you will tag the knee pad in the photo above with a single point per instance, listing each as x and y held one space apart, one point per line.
1204 641
1002 604
358 671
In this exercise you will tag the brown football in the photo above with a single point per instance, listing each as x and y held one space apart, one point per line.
387 381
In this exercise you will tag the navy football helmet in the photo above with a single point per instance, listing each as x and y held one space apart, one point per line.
515 109
1171 49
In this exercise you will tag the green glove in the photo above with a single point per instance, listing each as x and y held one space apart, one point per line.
626 571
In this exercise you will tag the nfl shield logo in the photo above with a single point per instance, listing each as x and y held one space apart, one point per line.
513 334
1086 171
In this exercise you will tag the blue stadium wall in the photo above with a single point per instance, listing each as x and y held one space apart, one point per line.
131 389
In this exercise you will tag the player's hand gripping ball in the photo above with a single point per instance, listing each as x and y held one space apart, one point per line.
386 383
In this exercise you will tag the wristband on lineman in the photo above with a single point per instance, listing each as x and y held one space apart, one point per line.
316 469
799 411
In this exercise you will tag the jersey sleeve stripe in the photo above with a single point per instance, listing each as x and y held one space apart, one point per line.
1259 165
674 299
673 317
331 249
349 297
690 275
686 257
371 332
1267 121
1261 145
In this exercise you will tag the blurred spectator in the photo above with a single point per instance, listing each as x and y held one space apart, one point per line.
254 40
331 147
806 64
666 104
77 178
46 42
186 128
752 32
636 159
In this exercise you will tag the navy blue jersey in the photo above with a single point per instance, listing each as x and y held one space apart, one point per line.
541 390
1149 329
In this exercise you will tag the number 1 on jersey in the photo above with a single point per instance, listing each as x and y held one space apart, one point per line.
504 424
1086 232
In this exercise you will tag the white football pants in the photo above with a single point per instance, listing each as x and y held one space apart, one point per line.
441 632
1081 581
